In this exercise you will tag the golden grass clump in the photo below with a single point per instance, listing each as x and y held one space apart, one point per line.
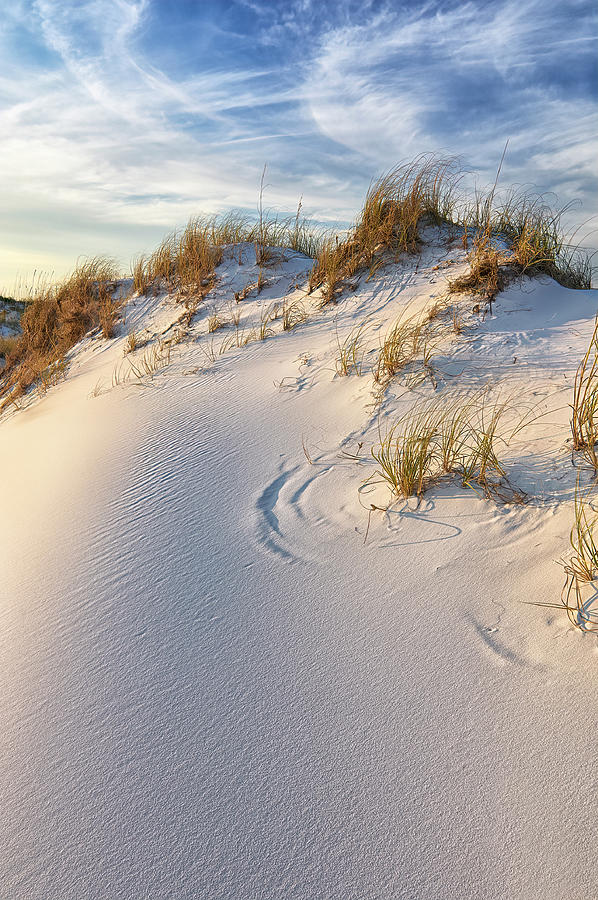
486 275
517 235
197 252
132 342
350 350
396 204
584 419
582 567
293 314
187 259
394 207
8 345
404 342
215 321
335 261
455 437
56 318
578 596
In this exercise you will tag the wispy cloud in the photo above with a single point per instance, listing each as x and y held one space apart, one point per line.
464 78
122 117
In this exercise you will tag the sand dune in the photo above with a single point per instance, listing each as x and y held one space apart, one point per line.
215 686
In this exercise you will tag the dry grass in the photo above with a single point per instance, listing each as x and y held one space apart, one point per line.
135 368
519 234
8 345
216 321
336 261
132 342
155 358
141 275
293 314
406 454
459 437
396 204
488 269
52 374
182 260
578 596
56 318
234 315
186 260
108 313
267 315
516 234
350 350
239 339
394 207
584 420
582 567
404 342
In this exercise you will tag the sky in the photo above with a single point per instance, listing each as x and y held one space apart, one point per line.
119 119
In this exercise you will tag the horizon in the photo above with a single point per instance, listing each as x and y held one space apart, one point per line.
123 119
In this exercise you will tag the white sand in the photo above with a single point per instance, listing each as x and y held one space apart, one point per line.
212 688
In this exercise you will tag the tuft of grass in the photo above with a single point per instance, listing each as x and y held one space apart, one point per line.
8 345
403 342
487 270
519 234
267 315
350 353
406 453
455 438
56 318
154 358
395 206
336 261
131 342
215 321
108 312
186 259
234 315
141 274
293 314
52 374
584 420
582 567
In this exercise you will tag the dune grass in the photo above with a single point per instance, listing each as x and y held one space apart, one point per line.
350 350
518 233
581 568
578 596
216 321
584 419
389 221
56 318
460 436
8 345
293 314
532 231
514 234
186 259
405 341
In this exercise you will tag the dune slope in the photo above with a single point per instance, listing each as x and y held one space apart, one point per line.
215 686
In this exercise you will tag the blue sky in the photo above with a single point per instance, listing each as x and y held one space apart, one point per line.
119 119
